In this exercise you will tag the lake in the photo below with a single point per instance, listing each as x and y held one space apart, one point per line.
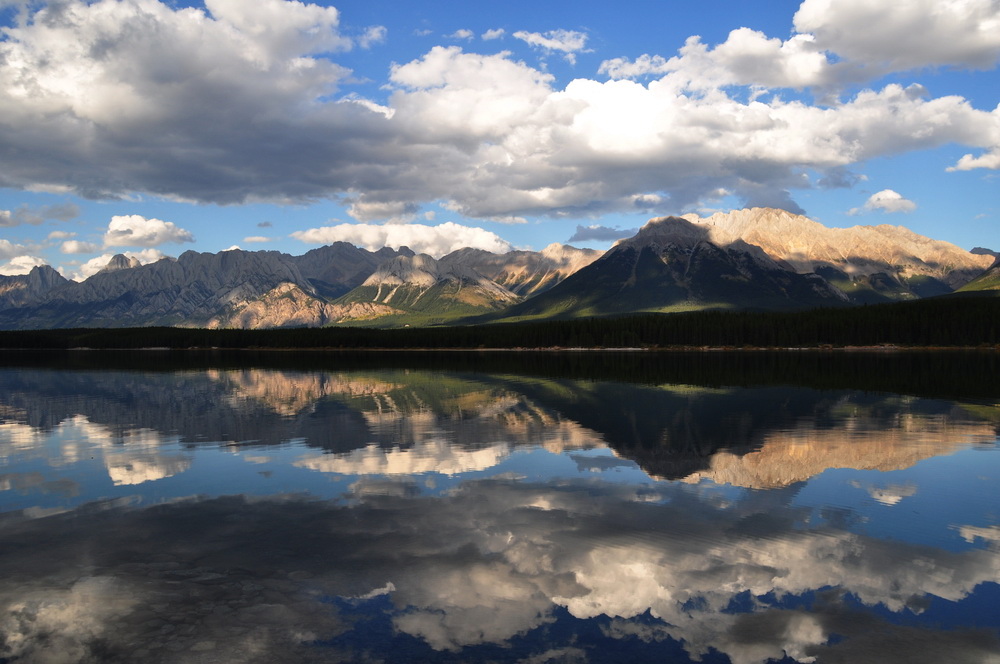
499 507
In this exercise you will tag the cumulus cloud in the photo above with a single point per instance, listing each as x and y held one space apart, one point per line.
747 57
143 71
236 103
837 43
968 162
493 33
886 200
273 29
136 231
78 247
905 35
601 233
19 264
256 239
9 250
463 33
434 240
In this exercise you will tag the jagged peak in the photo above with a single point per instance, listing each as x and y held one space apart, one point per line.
465 254
121 262
46 270
672 230
797 242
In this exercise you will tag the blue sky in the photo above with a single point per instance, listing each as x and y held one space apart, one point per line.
151 128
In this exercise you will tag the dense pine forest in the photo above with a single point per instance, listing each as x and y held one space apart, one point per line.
952 321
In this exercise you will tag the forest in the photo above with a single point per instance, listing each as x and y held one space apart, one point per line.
950 321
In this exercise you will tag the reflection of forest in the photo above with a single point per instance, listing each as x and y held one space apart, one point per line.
367 421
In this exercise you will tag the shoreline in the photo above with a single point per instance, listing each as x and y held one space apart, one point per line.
886 348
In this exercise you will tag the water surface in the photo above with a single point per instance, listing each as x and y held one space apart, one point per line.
717 508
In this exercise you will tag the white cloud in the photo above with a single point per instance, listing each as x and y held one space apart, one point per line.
567 41
747 57
493 33
19 264
644 65
136 231
837 43
9 250
968 162
257 238
594 147
896 36
7 219
375 34
60 235
141 70
463 33
251 113
434 240
886 200
275 29
78 247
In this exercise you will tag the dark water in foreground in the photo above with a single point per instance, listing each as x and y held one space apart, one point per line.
504 508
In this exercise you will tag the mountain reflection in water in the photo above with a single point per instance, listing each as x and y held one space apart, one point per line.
234 513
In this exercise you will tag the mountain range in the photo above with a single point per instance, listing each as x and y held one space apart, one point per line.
760 258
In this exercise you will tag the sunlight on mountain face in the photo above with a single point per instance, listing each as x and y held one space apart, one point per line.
858 441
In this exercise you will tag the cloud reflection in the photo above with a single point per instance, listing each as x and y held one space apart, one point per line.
481 565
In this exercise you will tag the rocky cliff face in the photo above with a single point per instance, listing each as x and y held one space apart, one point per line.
120 262
526 273
757 258
337 268
288 305
27 289
674 264
228 289
867 262
422 285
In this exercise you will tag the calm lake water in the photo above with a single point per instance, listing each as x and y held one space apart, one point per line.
745 508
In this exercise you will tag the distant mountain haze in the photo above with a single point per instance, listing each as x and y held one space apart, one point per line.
759 258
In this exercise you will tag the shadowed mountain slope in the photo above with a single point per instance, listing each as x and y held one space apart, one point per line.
672 264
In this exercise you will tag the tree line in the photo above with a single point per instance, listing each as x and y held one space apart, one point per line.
946 322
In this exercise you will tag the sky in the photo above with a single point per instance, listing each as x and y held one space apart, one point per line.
151 128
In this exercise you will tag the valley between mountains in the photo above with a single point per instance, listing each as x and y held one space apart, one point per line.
755 259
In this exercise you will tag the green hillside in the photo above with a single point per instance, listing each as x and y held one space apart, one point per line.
988 281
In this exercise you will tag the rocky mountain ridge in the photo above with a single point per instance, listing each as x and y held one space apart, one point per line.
757 259
673 264
863 261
